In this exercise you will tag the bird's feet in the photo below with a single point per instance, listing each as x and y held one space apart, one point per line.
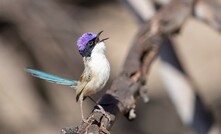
103 129
88 121
85 121
101 110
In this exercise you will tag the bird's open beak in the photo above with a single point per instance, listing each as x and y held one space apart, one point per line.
97 37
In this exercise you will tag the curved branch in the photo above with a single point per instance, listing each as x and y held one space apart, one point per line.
209 11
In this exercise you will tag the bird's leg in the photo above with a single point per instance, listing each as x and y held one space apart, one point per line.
101 109
82 113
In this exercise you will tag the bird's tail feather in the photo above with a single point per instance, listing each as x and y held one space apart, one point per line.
51 78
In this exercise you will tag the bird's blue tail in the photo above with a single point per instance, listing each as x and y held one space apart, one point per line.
51 78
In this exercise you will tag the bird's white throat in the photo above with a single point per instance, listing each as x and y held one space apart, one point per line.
99 48
99 65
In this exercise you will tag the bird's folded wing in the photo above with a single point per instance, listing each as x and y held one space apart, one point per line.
85 78
51 78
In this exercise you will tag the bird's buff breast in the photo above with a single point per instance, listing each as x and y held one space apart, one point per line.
100 71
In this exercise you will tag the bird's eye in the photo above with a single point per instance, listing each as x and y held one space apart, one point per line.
90 43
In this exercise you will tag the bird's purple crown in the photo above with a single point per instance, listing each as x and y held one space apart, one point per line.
83 40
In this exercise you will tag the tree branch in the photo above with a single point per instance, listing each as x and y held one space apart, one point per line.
209 11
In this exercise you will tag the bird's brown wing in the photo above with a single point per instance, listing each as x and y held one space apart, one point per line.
84 79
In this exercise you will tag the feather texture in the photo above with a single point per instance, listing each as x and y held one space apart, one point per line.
96 73
51 78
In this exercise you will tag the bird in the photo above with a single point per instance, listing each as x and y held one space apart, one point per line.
96 69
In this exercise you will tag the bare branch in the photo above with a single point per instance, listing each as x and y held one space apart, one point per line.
210 12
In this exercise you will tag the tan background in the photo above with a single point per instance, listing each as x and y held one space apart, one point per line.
43 34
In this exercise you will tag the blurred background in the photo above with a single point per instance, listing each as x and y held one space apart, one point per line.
42 35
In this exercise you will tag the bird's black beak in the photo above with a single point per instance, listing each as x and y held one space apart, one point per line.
97 38
98 35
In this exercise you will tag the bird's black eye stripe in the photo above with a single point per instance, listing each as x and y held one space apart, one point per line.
88 49
90 43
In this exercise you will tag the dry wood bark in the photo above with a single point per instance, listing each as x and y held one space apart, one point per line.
209 11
